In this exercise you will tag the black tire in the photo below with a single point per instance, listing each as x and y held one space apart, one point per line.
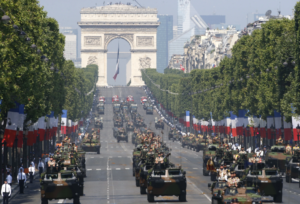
213 176
287 179
44 201
182 197
143 190
198 149
150 198
76 200
118 141
278 198
98 151
133 173
205 172
137 182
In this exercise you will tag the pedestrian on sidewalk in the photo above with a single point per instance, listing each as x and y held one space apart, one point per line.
41 166
21 179
31 173
5 192
9 178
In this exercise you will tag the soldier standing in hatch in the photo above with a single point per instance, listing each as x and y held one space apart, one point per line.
288 149
295 148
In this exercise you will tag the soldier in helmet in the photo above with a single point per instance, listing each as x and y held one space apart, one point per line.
243 151
288 149
295 148
159 159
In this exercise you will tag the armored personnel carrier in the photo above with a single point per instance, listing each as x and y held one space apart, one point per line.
149 110
120 134
292 167
91 143
167 182
118 121
267 180
139 121
208 155
100 108
247 195
133 108
116 107
159 123
61 185
129 126
277 157
99 122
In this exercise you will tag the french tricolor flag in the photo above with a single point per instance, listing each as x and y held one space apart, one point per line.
263 125
11 126
287 130
270 123
117 66
22 117
195 122
55 124
213 125
254 123
234 121
227 124
42 127
278 124
69 126
187 119
64 122
30 136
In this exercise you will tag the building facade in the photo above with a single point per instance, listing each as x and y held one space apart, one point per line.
71 42
164 35
183 16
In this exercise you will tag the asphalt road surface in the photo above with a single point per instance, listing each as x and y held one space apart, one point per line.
109 175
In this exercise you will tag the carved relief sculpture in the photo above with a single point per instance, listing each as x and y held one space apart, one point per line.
145 41
108 37
92 60
145 62
92 40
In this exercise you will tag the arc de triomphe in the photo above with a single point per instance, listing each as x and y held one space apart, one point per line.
100 25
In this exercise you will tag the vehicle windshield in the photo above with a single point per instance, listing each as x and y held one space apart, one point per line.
149 107
159 172
250 191
52 176
173 172
271 173
212 148
231 191
66 175
125 107
255 173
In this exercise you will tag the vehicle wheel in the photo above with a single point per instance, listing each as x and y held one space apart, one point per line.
98 151
118 141
213 176
76 200
182 197
44 201
287 179
133 173
143 190
150 198
197 150
127 140
278 198
137 182
205 172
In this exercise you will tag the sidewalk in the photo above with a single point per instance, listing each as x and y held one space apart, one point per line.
15 187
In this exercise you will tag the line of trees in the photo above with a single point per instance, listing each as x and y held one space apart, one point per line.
33 70
261 76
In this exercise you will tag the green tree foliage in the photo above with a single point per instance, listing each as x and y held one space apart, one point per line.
261 77
27 79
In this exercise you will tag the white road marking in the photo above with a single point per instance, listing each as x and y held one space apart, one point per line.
127 168
89 169
108 169
98 169
118 168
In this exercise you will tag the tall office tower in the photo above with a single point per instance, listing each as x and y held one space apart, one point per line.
71 40
184 16
164 35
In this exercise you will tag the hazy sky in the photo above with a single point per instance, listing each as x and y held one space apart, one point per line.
237 12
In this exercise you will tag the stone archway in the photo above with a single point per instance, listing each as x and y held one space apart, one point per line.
101 25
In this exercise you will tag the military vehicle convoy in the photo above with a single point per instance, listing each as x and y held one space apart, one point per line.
133 108
129 126
149 109
91 143
139 121
100 108
116 107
